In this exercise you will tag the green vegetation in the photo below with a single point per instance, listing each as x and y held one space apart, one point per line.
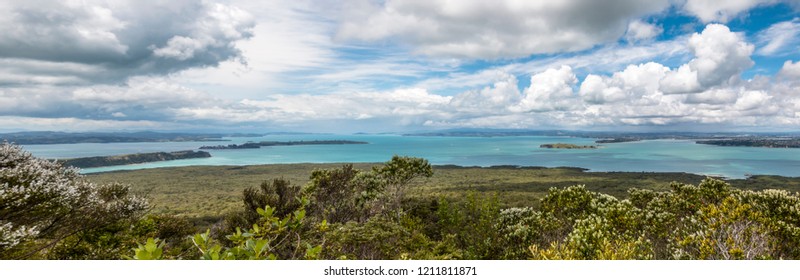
566 146
406 209
89 162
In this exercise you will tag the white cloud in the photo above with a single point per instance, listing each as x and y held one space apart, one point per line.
751 100
632 83
604 60
497 29
550 90
400 105
720 56
12 123
721 11
780 38
639 30
790 70
491 99
682 80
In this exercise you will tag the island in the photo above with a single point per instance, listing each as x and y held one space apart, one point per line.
755 142
90 162
566 146
257 145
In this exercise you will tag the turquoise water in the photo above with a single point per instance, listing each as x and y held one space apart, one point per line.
648 156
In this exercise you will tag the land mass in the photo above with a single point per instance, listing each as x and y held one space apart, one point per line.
617 140
612 135
54 137
189 190
754 142
90 162
566 146
257 145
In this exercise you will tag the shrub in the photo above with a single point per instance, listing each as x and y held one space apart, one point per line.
42 204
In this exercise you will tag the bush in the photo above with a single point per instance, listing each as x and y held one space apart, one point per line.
43 204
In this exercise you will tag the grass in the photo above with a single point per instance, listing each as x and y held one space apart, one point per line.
207 192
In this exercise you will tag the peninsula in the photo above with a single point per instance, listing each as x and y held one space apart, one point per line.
256 145
90 162
755 142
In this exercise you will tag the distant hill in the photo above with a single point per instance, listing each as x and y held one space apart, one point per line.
90 162
54 137
256 145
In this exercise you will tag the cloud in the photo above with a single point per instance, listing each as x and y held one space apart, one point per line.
120 38
719 96
301 65
603 60
493 99
141 98
720 56
780 38
790 70
721 11
550 90
632 83
639 30
12 124
401 105
491 30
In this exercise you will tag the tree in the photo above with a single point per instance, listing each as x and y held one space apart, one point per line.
43 203
397 173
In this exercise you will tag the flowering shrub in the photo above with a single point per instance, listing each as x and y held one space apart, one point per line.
43 203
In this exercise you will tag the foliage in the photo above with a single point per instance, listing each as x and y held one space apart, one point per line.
347 194
707 221
383 238
338 195
279 194
396 174
728 230
43 205
270 238
151 250
471 226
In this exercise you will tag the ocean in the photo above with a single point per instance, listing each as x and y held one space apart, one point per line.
642 156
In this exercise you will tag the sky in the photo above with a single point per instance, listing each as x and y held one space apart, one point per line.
400 66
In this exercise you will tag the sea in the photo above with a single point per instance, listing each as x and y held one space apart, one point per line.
664 155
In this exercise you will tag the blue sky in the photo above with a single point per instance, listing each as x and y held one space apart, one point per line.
394 66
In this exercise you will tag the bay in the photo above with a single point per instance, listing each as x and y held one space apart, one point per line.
642 156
